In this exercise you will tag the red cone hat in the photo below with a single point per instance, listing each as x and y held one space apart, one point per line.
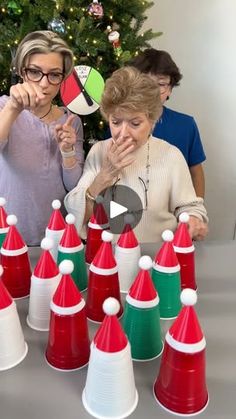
104 258
127 238
66 294
46 267
99 216
56 220
13 243
70 236
5 297
142 289
110 337
182 239
3 214
166 259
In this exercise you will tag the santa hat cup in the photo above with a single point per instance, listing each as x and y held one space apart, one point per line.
166 278
3 221
44 282
97 223
110 390
15 261
141 319
13 347
55 228
184 249
127 254
68 345
71 248
181 386
103 280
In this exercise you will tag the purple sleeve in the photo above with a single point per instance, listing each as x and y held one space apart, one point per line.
71 176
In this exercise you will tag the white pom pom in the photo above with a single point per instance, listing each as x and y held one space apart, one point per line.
111 306
107 236
66 267
167 236
145 262
128 218
2 201
70 219
188 297
11 220
99 199
184 217
46 243
1 270
56 204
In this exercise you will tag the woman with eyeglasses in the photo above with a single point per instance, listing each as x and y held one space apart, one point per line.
41 145
154 169
175 127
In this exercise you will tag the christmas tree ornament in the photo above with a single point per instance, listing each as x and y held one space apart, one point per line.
3 221
68 345
181 383
44 281
141 320
13 348
95 9
57 25
81 92
110 390
71 248
15 261
166 278
114 39
185 249
56 227
97 223
127 255
103 280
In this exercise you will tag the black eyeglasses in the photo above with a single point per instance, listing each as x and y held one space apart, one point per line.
33 74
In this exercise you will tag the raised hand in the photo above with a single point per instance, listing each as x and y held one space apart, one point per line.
25 96
66 135
119 155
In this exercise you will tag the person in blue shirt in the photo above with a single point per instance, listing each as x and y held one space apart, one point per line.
177 128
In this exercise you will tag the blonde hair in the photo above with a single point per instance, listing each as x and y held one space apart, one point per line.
42 42
129 90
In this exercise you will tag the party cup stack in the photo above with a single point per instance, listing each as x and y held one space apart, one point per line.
103 280
127 254
71 248
44 281
13 348
181 383
55 228
15 261
110 390
68 345
141 319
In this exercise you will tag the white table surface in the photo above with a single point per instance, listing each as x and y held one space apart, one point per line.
33 390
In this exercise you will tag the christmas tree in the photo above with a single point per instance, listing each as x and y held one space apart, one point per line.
103 35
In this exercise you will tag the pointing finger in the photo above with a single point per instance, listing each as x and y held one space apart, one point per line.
69 120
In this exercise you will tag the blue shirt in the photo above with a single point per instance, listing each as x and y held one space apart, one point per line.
181 130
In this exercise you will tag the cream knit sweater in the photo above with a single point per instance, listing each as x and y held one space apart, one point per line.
170 191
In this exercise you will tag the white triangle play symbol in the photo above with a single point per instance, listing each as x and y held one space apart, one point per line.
116 209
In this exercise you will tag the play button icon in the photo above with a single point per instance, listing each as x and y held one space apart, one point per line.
116 209
119 201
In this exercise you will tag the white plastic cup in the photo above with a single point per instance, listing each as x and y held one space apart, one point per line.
41 293
13 347
110 390
127 260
